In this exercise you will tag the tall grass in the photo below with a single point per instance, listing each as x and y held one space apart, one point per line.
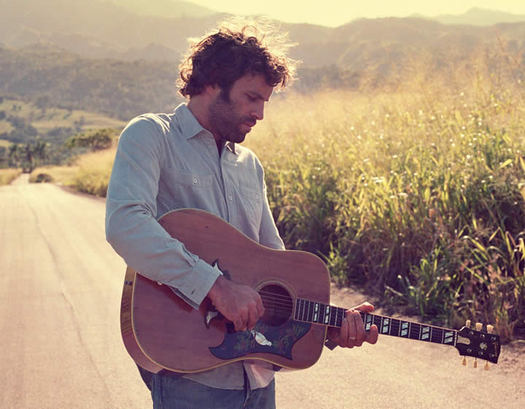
8 175
88 173
419 197
416 195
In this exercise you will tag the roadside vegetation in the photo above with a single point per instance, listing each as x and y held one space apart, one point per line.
417 196
415 193
8 175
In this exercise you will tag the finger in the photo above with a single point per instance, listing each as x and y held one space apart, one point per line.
372 335
344 333
253 317
260 308
364 307
356 333
242 319
360 333
239 325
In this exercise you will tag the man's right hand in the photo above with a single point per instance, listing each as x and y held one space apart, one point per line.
238 303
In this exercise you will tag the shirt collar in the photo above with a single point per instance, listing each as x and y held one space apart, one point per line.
190 127
188 124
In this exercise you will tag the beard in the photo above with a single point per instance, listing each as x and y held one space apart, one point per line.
226 121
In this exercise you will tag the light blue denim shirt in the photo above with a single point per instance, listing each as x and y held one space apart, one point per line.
169 161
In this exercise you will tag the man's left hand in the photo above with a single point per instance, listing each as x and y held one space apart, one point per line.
352 332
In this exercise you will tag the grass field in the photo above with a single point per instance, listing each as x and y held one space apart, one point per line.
418 197
46 119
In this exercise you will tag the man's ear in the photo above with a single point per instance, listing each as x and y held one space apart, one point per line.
212 90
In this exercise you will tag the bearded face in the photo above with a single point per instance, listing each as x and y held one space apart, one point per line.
234 112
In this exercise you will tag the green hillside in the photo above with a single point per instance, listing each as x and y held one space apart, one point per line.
26 124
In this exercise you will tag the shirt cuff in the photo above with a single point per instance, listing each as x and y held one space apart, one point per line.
203 278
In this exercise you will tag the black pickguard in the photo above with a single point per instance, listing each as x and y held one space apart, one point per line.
282 339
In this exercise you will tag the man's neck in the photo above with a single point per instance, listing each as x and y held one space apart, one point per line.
199 108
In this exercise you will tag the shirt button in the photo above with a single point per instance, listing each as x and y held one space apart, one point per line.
230 197
195 181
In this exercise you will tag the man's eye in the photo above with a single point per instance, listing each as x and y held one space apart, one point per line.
251 98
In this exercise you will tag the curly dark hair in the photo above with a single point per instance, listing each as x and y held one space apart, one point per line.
223 57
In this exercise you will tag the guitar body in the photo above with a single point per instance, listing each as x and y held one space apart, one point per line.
161 331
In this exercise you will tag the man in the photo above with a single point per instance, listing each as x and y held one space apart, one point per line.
192 159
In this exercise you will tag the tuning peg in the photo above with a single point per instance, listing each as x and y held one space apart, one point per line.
467 323
490 329
464 362
479 326
475 362
487 366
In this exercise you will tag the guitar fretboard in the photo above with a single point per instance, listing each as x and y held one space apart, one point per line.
319 313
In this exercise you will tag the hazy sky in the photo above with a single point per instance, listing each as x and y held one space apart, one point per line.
337 12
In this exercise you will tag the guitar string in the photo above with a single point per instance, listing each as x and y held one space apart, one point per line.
284 311
284 304
273 301
277 300
275 295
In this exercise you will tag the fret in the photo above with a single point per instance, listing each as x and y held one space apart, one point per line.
369 320
414 331
385 325
315 316
449 337
326 319
333 311
300 308
394 327
424 333
309 311
404 329
437 335
340 314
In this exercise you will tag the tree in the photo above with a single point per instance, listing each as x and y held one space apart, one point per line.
40 150
28 156
14 156
94 140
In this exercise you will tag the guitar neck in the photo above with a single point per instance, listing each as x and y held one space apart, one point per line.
318 313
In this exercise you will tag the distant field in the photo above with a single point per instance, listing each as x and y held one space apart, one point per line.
88 120
49 118
5 127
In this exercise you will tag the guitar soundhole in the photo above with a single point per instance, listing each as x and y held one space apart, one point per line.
278 304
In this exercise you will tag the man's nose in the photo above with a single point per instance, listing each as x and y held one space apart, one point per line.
258 112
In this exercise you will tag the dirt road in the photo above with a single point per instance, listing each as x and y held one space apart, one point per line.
61 346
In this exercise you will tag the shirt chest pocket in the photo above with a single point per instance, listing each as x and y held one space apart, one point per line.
185 189
192 180
252 202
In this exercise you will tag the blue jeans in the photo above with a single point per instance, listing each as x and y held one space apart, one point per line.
174 392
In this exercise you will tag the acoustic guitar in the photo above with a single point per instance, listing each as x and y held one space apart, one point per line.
162 332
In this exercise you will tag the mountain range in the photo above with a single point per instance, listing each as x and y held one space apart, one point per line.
117 56
116 29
